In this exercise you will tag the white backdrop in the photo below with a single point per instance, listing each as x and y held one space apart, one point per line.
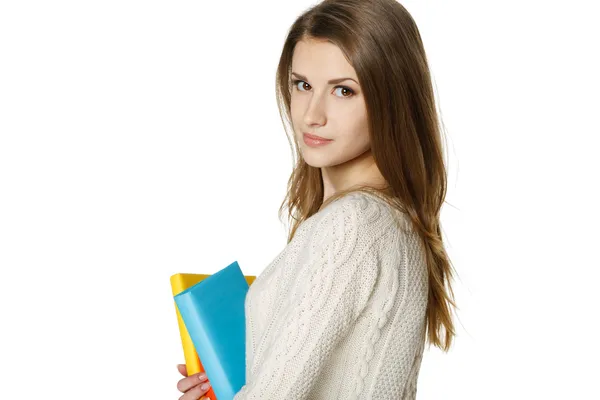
139 139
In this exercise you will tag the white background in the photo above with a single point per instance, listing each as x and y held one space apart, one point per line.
139 139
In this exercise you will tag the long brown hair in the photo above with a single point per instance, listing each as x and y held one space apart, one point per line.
380 39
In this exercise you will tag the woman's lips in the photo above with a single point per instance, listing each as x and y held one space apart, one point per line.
315 141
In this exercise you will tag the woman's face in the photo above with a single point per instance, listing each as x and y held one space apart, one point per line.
333 111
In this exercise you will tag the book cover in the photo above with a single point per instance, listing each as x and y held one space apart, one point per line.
211 319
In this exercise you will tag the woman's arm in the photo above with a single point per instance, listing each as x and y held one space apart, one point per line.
342 273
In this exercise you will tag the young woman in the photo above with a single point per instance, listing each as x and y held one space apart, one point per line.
344 311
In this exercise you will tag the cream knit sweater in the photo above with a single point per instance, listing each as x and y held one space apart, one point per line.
340 312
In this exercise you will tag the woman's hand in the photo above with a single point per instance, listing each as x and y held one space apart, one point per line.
193 387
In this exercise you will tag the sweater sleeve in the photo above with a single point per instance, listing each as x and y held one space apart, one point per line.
339 279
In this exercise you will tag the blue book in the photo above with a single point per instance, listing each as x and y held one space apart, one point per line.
214 315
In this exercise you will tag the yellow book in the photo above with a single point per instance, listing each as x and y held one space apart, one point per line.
179 283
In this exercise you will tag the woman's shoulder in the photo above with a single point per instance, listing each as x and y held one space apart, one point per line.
356 217
364 210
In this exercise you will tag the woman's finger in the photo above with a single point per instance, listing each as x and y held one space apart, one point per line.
191 381
182 369
196 392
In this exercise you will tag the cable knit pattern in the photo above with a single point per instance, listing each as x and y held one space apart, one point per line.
375 329
340 312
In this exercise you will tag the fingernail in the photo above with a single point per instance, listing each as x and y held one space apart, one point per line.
202 376
205 386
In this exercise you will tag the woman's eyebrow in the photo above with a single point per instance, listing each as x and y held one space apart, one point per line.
332 81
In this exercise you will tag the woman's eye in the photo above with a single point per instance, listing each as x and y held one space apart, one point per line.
344 89
296 82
